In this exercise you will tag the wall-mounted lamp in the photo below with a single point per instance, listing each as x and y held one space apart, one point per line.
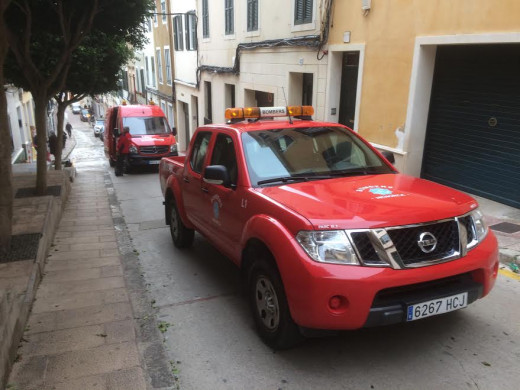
366 5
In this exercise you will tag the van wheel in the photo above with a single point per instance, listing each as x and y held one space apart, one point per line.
269 306
182 236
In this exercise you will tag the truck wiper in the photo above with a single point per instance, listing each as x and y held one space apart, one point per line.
286 179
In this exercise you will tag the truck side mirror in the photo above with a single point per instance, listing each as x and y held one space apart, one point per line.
389 156
217 174
116 132
174 131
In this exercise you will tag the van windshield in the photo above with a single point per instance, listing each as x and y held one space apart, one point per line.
147 125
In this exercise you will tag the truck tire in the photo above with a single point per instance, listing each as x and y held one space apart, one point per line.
182 236
269 306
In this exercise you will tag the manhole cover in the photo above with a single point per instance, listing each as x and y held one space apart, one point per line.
506 227
23 247
31 191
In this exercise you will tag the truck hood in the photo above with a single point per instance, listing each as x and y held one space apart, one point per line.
370 201
149 140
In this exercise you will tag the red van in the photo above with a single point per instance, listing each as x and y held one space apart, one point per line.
152 137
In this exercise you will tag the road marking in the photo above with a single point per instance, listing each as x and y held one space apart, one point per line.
509 274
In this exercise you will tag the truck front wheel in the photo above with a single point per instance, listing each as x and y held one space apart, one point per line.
270 309
182 236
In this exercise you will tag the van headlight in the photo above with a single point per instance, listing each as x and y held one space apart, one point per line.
173 148
132 149
332 246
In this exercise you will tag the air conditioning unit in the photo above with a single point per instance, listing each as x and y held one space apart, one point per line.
366 5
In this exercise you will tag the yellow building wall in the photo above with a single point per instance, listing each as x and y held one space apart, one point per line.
389 30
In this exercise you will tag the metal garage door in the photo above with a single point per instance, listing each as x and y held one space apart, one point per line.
473 134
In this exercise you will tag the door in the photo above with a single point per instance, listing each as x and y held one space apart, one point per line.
225 205
193 197
349 81
473 134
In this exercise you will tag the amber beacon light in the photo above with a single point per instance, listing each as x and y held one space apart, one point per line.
268 112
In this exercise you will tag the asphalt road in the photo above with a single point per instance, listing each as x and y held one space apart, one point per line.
212 342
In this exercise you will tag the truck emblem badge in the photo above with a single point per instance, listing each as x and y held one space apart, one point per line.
427 242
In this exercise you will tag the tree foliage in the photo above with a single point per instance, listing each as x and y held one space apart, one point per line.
42 36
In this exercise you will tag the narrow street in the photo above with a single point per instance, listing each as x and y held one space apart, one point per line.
212 343
192 329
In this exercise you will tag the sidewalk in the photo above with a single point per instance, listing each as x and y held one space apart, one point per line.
505 223
81 330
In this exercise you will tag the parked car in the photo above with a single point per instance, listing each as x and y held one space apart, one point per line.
327 234
84 115
98 125
102 134
76 108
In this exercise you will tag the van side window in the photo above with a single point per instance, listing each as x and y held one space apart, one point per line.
199 151
224 154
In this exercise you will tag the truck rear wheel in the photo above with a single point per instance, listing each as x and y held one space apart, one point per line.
181 235
270 308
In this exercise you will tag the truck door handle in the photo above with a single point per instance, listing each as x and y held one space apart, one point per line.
204 189
185 179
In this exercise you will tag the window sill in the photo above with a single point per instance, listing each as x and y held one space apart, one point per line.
303 27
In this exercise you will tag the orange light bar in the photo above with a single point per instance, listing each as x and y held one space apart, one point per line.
268 112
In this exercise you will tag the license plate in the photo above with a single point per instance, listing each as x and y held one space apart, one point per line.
437 306
154 162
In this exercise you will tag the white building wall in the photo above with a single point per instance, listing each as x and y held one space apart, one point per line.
267 70
20 118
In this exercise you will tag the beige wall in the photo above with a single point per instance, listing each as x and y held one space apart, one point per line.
389 31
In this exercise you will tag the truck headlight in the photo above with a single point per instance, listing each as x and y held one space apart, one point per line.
132 149
173 148
331 246
481 228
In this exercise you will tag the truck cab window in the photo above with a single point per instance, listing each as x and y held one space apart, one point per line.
199 151
224 154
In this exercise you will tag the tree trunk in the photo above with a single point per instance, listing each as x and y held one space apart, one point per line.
61 116
6 178
40 108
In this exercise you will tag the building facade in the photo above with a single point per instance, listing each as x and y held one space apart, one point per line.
20 115
261 53
435 82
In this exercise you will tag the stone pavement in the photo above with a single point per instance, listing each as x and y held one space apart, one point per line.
83 330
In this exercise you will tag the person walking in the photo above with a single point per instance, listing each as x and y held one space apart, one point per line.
123 148
68 127
53 143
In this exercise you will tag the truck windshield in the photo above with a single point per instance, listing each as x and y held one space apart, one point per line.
312 153
143 125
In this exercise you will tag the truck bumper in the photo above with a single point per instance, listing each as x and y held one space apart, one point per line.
137 160
329 296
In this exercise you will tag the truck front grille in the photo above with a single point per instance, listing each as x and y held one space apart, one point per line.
149 150
414 246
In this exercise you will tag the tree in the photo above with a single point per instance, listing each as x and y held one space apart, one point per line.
41 36
94 70
6 185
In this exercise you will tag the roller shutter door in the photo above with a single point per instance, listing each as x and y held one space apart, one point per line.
473 134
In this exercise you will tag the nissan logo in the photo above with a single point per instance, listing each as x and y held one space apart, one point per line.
427 242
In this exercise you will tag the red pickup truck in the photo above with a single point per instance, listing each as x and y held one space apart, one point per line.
327 234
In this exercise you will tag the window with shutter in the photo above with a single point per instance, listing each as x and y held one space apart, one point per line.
205 19
177 33
303 11
252 15
230 28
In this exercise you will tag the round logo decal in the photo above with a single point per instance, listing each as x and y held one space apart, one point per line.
380 191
